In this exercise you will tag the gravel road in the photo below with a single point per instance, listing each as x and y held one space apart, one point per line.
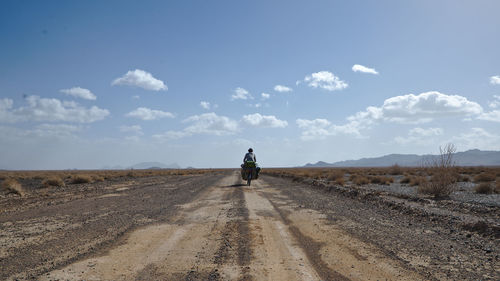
212 227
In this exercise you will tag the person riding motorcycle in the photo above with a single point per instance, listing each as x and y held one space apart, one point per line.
250 157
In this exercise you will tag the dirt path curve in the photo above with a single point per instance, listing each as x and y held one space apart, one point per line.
235 232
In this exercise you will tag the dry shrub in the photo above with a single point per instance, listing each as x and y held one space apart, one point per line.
417 181
334 175
485 177
53 181
484 188
360 180
13 186
340 181
444 176
497 187
406 179
76 179
395 170
98 178
382 180
464 178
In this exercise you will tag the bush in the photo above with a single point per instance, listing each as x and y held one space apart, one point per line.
406 179
484 177
340 181
484 188
395 170
444 178
381 180
53 181
334 175
81 179
497 187
360 180
13 186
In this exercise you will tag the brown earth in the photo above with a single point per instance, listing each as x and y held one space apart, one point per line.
212 227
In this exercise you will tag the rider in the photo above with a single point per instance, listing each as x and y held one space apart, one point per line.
250 156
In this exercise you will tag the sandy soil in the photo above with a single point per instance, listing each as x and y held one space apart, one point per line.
216 228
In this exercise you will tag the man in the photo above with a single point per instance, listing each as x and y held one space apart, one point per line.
250 156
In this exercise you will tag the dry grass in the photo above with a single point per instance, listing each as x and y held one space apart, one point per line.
81 179
53 181
485 177
13 186
381 180
484 188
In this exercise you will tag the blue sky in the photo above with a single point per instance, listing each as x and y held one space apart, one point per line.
87 84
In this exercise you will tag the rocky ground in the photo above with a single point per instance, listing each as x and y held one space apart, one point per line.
212 227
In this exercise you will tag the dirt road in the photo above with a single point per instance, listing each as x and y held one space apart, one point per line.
216 228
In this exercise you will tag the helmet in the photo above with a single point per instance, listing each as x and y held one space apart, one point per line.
250 150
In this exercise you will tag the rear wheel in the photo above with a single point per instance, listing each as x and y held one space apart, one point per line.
249 178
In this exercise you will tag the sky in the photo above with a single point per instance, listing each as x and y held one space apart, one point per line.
93 84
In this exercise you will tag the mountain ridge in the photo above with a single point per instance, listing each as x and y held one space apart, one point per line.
473 157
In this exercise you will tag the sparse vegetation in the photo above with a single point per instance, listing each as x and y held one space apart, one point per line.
53 181
485 177
484 188
395 170
81 179
13 186
444 177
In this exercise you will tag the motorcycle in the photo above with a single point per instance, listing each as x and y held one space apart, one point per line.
249 171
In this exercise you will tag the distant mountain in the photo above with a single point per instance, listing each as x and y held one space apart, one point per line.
154 165
473 157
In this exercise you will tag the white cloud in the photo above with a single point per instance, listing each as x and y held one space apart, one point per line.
314 129
282 89
265 96
495 103
426 107
364 69
264 121
241 94
49 110
490 116
141 79
325 80
495 80
207 123
409 109
79 93
55 130
145 113
134 129
420 136
477 138
205 105
136 97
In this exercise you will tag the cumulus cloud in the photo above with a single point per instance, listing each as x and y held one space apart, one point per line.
282 89
420 136
265 96
134 129
364 69
207 123
409 109
491 116
241 94
205 104
49 110
142 79
145 113
79 93
263 121
495 103
325 80
495 80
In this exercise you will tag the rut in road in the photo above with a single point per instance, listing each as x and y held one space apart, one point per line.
235 232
